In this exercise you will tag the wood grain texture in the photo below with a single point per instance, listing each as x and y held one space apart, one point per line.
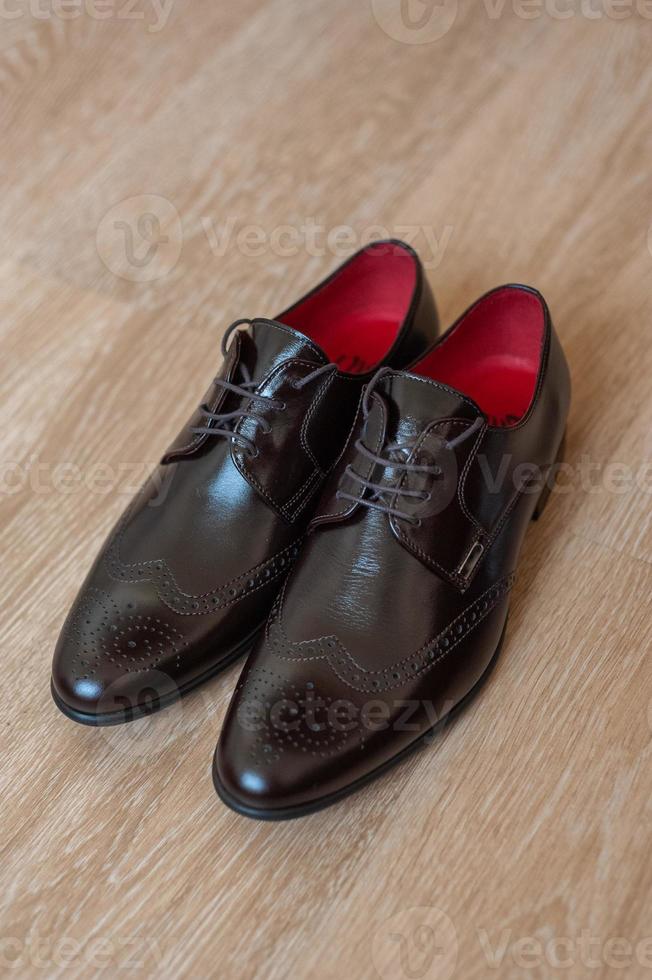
509 149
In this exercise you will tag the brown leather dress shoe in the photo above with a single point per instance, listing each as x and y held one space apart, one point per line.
396 609
189 574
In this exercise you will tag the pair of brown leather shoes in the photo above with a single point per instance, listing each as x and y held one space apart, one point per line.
350 500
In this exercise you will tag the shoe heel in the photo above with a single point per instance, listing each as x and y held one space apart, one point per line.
550 482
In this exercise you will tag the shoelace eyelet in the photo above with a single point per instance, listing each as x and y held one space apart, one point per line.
223 424
379 500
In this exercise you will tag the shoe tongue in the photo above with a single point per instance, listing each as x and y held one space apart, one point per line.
266 344
413 402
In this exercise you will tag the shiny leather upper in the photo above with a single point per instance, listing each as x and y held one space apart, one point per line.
189 573
387 622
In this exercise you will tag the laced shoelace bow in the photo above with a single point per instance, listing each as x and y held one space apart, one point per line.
224 424
381 493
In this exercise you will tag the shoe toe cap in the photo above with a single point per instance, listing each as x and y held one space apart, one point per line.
286 747
274 788
116 655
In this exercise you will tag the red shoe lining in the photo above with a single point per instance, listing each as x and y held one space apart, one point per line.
356 316
493 354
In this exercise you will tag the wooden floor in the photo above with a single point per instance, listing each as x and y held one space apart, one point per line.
510 148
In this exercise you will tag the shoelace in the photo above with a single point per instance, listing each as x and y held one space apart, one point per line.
379 491
223 423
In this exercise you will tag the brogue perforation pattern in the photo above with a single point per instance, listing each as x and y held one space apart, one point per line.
284 722
401 672
158 572
130 641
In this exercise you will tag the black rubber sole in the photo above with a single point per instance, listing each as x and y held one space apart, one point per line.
305 809
127 714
